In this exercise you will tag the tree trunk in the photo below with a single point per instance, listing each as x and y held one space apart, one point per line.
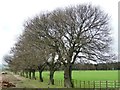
51 77
40 76
15 72
68 76
30 74
26 72
20 73
23 73
33 76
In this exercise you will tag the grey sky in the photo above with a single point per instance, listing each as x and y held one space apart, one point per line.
13 13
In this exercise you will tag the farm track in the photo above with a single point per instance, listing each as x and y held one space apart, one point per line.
10 80
22 82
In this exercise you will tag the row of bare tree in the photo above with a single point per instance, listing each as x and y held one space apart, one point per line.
62 37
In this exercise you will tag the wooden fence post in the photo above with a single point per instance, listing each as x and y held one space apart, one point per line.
61 83
94 84
115 83
76 83
106 84
80 84
100 85
58 82
88 84
84 84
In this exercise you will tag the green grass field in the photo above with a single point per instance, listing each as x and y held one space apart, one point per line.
77 76
84 75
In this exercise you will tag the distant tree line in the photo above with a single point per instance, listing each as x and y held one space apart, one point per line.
61 38
100 66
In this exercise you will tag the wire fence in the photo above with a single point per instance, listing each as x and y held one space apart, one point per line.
88 84
91 84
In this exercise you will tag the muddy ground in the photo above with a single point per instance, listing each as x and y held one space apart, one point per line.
22 83
10 81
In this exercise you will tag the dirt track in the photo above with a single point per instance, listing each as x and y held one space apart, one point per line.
7 79
22 82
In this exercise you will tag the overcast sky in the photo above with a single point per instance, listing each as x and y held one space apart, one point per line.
13 13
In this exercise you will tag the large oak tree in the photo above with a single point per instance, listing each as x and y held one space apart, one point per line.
76 32
73 34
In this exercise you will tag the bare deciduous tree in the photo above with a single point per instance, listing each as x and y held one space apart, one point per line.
77 32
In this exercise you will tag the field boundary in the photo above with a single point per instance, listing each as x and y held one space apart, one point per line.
91 84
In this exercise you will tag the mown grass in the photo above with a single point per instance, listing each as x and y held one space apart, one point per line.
92 75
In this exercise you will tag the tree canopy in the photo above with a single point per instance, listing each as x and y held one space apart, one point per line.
72 34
